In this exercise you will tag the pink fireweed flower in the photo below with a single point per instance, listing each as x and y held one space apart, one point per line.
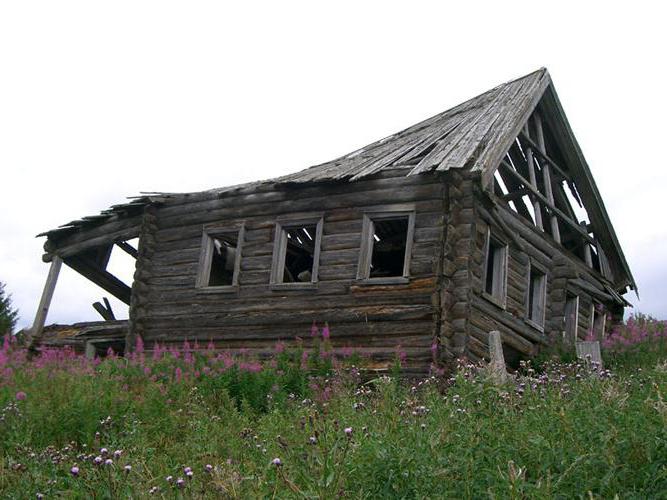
20 396
178 374
314 331
139 347
325 332
280 347
74 471
277 462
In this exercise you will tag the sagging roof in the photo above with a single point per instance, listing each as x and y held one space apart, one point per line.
474 135
465 136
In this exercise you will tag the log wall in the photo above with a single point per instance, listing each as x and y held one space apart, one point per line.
373 319
565 273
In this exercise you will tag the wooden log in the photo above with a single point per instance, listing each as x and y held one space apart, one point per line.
44 303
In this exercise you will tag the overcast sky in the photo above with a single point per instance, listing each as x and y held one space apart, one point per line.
102 100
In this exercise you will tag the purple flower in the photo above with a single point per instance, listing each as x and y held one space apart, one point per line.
20 396
180 482
117 454
39 496
98 460
208 467
127 469
277 462
314 330
108 461
325 332
169 479
74 471
348 431
104 452
187 469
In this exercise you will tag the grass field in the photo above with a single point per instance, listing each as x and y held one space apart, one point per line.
192 423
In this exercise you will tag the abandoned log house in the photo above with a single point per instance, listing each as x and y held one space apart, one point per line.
484 217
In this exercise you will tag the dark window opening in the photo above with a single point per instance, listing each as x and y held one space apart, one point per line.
223 259
299 253
495 269
389 243
536 295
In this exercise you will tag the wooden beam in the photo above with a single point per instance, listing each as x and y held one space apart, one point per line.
100 277
105 310
533 182
125 246
546 175
45 302
543 155
543 199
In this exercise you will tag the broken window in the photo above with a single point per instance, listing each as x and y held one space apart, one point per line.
598 321
495 272
537 292
296 252
386 246
571 317
220 260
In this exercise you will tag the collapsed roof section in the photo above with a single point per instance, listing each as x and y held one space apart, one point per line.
495 131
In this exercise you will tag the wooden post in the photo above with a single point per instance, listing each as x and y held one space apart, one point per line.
533 181
546 174
497 365
45 301
587 248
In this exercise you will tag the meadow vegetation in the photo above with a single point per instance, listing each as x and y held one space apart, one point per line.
308 423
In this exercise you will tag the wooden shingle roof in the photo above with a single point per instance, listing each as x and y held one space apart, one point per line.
474 134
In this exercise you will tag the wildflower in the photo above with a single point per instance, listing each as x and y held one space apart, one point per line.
169 479
153 490
277 462
325 332
312 440
314 330
104 452
39 496
74 471
108 461
348 432
117 454
20 396
180 482
208 467
98 460
127 469
187 469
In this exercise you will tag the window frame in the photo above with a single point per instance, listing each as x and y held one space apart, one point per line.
367 243
569 296
502 300
595 317
280 251
539 323
210 232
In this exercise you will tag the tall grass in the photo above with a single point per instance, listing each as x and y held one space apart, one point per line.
304 424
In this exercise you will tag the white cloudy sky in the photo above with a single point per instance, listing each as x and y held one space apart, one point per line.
101 100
